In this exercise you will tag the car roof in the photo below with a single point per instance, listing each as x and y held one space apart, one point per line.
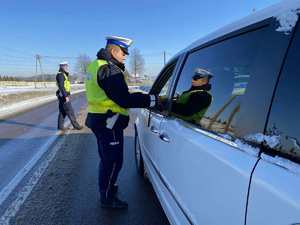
282 11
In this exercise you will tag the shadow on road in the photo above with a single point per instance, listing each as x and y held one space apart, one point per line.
13 122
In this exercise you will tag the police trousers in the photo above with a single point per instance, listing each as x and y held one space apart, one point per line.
110 149
65 109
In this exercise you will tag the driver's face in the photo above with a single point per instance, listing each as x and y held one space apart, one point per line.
199 82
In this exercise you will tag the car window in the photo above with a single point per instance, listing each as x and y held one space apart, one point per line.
162 85
237 77
283 126
165 88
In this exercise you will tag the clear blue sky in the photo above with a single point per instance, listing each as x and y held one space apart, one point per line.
68 28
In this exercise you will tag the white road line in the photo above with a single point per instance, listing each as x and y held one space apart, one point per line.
26 190
7 190
14 207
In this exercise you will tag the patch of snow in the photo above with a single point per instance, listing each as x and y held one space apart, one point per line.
17 90
285 163
295 142
287 20
270 141
5 90
246 147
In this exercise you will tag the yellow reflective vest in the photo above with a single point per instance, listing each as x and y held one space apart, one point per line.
196 117
67 83
98 102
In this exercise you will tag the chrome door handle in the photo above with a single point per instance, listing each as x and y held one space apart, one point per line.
164 137
154 130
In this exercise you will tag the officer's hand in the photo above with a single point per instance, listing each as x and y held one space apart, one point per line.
67 99
159 104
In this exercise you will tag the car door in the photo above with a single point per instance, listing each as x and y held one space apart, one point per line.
149 121
275 187
206 165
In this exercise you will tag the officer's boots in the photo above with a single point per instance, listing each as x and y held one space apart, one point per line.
77 126
110 199
114 189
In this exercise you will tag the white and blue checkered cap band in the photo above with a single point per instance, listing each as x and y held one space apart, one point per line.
118 43
63 63
202 72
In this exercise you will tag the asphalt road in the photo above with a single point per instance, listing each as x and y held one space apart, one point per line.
21 137
67 193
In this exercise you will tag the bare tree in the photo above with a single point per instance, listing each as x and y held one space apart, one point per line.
137 62
126 75
83 61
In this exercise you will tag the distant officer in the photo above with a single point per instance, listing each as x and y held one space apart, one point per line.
108 100
63 94
192 104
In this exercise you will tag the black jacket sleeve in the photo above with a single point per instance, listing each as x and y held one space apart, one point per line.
60 79
115 87
196 103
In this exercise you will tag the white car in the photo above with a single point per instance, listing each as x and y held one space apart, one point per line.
239 164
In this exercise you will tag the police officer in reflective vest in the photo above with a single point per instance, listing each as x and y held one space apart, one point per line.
63 94
108 103
192 104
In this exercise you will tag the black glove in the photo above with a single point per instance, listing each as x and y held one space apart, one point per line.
159 103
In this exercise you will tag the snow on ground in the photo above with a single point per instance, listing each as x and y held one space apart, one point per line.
21 98
6 90
14 90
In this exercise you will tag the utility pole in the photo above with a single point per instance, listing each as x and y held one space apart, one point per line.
164 58
35 72
135 68
39 61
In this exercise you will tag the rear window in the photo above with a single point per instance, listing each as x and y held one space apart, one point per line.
284 121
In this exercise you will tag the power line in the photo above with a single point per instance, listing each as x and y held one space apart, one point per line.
16 57
17 51
61 57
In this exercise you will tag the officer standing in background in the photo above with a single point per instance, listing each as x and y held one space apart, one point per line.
108 100
63 94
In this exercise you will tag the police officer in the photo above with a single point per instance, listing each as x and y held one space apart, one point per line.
192 104
63 94
108 100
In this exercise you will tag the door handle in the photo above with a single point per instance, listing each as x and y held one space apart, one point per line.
164 137
154 130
